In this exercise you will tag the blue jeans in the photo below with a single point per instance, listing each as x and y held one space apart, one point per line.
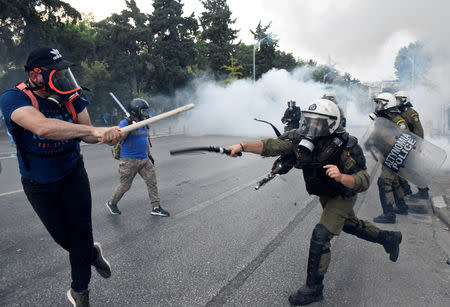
64 208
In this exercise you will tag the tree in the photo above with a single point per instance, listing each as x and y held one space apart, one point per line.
265 57
122 41
173 49
284 60
244 55
25 25
234 71
216 24
412 63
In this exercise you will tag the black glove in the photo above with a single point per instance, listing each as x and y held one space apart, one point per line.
151 159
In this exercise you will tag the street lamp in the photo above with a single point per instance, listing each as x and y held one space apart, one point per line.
269 38
256 45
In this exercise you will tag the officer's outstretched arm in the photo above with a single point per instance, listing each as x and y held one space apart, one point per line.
253 147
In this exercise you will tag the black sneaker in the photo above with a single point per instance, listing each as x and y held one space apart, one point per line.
101 265
113 208
159 211
78 299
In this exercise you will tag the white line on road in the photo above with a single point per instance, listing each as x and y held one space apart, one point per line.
213 200
12 192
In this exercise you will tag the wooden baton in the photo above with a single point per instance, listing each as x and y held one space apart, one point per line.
156 118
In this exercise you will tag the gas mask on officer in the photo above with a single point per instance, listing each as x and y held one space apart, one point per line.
312 128
291 104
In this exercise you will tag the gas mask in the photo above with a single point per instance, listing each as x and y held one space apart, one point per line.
312 128
291 104
61 84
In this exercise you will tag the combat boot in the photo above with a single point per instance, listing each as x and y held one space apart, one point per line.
312 291
307 295
421 194
388 217
401 207
391 242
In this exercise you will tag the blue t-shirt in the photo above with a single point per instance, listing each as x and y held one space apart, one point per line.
49 160
135 145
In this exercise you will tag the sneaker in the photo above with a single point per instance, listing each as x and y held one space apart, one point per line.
78 299
101 265
159 211
113 208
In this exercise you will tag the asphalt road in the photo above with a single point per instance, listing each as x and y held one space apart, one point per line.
225 244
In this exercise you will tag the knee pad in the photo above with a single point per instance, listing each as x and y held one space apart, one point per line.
320 234
381 183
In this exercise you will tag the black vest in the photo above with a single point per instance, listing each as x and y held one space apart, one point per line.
316 180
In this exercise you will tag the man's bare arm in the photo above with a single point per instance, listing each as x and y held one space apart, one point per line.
56 129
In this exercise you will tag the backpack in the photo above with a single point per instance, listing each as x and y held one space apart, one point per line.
116 149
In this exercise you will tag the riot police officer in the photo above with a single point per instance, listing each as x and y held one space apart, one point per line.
291 117
388 183
334 168
415 126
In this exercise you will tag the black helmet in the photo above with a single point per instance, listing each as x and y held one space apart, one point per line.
139 108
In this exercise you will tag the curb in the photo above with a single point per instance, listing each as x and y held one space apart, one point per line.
441 209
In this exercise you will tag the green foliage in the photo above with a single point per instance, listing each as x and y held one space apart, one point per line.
134 54
244 56
216 25
173 47
234 71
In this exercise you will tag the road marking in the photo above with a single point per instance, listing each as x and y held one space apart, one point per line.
234 284
12 192
213 200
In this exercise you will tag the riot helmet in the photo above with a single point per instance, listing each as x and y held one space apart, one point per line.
322 118
385 101
402 98
330 96
139 108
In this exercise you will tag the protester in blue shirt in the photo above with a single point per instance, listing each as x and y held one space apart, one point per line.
135 158
47 117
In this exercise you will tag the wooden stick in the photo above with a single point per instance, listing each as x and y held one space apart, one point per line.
157 118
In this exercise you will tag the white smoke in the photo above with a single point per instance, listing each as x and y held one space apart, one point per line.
231 109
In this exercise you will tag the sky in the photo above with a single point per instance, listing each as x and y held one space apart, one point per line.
359 37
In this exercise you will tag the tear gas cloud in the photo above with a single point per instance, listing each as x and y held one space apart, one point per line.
230 109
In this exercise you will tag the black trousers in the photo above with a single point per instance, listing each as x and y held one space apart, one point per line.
65 209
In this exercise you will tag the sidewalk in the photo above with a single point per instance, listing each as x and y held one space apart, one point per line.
440 197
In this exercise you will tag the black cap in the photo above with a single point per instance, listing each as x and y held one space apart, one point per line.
46 57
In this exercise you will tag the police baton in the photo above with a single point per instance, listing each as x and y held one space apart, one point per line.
120 105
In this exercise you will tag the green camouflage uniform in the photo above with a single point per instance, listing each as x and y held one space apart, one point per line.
338 213
389 182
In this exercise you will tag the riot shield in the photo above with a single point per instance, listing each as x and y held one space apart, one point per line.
405 153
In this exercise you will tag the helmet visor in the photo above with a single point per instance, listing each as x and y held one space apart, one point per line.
314 125
402 99
380 104
63 82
